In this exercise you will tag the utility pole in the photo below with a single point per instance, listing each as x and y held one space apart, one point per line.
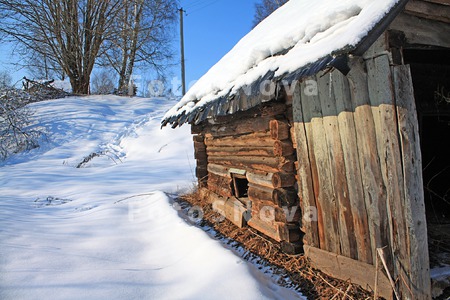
183 72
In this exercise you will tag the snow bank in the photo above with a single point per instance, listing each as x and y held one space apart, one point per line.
108 230
309 30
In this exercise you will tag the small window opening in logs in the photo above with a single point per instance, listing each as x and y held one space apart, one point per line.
240 185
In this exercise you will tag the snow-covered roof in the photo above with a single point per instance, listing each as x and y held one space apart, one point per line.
299 39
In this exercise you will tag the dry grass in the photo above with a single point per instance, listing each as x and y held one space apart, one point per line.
312 283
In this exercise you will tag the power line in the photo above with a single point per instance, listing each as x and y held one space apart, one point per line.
201 5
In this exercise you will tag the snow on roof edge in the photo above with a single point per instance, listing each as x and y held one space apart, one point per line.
370 16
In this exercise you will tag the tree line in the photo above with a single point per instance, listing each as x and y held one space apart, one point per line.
70 37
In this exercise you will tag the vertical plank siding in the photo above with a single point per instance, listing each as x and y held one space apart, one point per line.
414 208
347 131
359 162
341 164
309 225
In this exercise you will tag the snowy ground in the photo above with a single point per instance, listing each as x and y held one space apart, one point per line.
108 230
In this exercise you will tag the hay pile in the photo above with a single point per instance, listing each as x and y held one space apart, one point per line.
294 269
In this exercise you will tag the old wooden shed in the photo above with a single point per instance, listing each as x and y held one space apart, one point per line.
309 130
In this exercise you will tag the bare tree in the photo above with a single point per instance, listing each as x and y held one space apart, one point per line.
68 32
41 66
103 82
144 36
265 8
5 80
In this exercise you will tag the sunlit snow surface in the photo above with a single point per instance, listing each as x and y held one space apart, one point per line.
108 230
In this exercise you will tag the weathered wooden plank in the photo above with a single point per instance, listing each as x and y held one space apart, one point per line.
419 31
418 277
355 187
374 194
337 167
345 268
428 10
322 177
381 93
306 188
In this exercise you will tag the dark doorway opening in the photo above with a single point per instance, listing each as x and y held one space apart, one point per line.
240 186
430 70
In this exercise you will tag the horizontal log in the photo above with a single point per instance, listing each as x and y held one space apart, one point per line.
218 189
270 109
265 164
255 139
277 231
422 31
443 2
260 178
240 151
427 10
232 209
260 193
279 129
219 170
280 197
269 229
244 126
270 212
286 197
280 180
220 180
283 148
273 110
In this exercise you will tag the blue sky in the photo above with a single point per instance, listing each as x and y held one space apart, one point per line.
211 29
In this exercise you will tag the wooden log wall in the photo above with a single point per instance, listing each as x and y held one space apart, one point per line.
359 165
201 171
257 144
